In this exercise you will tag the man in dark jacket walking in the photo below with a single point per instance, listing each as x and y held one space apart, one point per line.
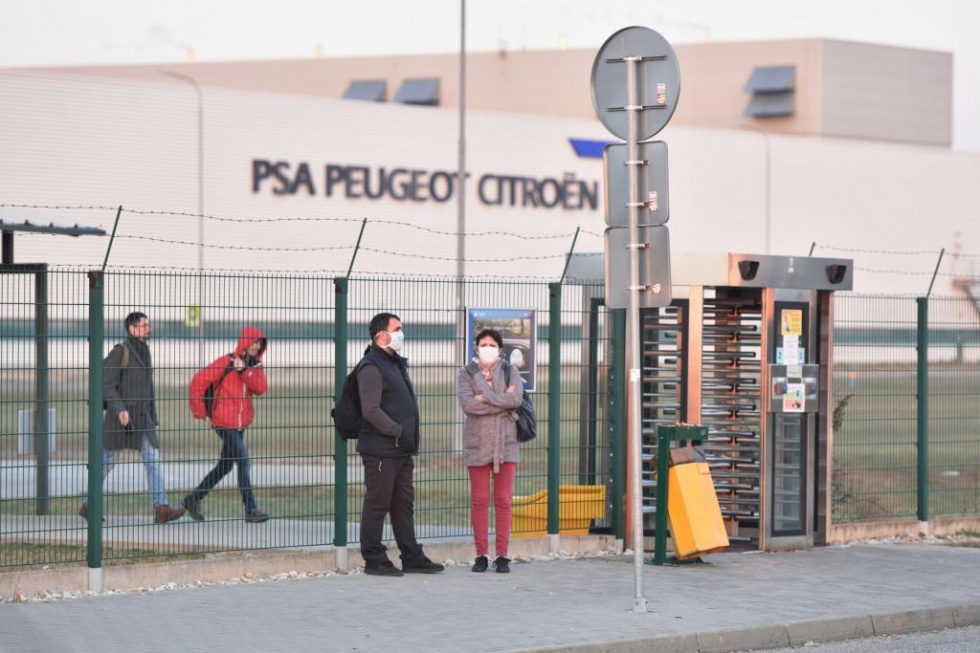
130 420
238 378
387 441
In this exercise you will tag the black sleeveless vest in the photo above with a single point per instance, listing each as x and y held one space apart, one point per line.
398 402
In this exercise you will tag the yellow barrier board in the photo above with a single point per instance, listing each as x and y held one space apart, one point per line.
578 505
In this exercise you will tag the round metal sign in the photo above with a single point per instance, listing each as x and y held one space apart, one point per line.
658 82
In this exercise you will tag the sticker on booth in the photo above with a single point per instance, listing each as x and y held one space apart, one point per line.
793 399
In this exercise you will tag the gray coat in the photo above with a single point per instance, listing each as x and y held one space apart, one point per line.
129 388
490 430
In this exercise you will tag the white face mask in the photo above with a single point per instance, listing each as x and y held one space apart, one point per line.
396 340
488 354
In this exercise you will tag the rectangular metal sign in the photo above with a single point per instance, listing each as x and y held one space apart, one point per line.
652 191
654 273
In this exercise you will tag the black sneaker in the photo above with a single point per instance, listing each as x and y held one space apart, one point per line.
193 507
502 565
421 565
256 516
382 569
481 564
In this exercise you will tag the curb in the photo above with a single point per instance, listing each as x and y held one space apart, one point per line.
797 633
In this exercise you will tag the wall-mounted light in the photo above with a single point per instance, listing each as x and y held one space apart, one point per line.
748 269
836 273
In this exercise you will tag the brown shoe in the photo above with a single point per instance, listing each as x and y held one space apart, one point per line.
163 514
83 512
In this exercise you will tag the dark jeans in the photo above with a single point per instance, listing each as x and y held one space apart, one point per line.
233 453
389 491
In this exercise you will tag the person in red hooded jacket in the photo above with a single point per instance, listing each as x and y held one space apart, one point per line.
239 377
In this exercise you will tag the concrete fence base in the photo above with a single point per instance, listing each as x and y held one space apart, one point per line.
911 528
257 565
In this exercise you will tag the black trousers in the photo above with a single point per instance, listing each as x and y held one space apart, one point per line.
389 491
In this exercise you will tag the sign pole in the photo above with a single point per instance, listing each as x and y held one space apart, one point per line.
633 325
635 85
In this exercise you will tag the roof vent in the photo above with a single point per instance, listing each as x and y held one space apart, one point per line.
372 90
418 91
773 91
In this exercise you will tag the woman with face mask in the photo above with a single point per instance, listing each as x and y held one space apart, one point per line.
489 392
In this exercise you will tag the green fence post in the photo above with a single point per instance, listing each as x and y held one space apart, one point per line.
42 385
340 445
96 334
922 407
554 405
617 408
663 469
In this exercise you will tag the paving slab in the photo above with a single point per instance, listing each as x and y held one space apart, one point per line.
735 601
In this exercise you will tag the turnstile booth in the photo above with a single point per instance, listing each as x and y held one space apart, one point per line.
745 349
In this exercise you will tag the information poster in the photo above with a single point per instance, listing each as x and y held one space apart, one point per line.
519 331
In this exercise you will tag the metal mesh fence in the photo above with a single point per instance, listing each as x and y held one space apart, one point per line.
434 317
196 319
875 452
874 463
41 478
954 412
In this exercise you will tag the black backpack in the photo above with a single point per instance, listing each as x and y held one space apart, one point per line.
527 422
123 364
211 389
347 417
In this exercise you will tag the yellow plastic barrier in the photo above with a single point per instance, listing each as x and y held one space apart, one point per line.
696 525
578 505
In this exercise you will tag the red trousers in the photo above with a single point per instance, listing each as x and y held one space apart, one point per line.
503 497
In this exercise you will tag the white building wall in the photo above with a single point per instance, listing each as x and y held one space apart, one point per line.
75 141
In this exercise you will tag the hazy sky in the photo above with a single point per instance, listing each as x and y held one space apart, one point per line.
69 32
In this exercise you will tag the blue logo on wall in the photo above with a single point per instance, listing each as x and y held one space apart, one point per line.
587 148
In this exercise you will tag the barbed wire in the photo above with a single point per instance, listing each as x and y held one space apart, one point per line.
429 230
446 277
52 207
914 273
383 221
237 247
467 260
217 218
473 233
955 275
127 268
342 247
853 250
879 251
281 219
123 268
907 273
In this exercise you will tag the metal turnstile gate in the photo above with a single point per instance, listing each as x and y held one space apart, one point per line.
747 353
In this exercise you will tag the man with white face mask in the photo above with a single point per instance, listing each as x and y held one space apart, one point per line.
387 442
